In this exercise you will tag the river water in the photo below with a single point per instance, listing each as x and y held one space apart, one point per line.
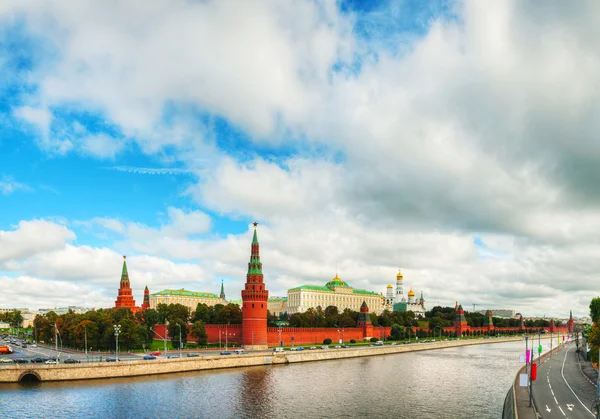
462 382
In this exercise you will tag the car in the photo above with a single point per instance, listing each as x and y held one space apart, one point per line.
21 361
51 361
240 351
300 348
34 345
225 353
278 349
338 347
312 347
148 357
111 359
169 357
379 343
345 346
6 361
325 347
71 361
155 353
37 359
192 355
394 343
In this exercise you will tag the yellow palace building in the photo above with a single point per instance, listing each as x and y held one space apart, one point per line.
335 293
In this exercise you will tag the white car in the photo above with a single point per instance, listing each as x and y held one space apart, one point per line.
34 345
6 361
51 361
240 351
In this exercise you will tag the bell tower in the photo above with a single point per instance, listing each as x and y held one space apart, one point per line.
254 302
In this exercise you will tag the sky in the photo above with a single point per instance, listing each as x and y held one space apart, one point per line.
454 140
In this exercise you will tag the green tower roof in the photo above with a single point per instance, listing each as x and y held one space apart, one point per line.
124 274
255 266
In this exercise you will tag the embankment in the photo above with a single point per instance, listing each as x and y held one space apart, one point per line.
40 372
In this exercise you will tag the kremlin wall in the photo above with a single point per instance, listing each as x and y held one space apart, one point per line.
253 332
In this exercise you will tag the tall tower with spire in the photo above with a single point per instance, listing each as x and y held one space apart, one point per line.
399 289
125 297
146 303
254 301
222 295
571 322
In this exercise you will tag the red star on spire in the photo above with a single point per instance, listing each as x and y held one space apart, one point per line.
255 224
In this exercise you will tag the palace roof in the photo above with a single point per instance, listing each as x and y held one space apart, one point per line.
185 293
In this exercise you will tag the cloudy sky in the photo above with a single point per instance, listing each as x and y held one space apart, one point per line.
457 141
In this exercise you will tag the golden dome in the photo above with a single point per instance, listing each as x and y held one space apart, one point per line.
399 276
411 293
390 286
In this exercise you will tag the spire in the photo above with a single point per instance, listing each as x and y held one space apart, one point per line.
570 314
255 266
124 274
146 290
254 238
222 296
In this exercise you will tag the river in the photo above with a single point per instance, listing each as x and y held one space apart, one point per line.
461 382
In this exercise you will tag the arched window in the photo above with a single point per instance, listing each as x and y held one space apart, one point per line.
252 305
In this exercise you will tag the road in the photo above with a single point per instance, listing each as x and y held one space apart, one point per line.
561 389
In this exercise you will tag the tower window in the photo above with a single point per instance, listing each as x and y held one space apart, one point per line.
261 306
252 305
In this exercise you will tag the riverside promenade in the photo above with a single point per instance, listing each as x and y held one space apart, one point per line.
14 373
565 387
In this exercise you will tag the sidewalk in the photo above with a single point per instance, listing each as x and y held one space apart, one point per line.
587 368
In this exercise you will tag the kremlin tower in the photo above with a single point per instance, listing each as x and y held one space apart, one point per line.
364 321
254 302
146 303
460 322
125 297
222 296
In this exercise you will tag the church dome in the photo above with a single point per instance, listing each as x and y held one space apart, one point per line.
411 293
399 276
390 286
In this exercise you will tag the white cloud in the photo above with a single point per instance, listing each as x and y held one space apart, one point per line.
101 145
33 237
39 117
8 186
483 127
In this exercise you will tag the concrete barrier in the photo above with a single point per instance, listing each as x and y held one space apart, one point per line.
40 372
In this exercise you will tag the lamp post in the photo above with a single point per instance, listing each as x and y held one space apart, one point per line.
226 333
338 336
343 336
180 342
280 341
85 339
56 341
163 338
117 331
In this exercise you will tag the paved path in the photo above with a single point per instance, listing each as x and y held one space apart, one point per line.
562 390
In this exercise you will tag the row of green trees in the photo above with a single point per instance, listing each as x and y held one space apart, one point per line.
13 318
137 331
331 317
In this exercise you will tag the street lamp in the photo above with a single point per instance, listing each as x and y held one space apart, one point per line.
163 338
180 342
117 331
85 337
280 342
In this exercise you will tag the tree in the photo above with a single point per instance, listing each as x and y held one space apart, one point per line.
175 326
199 332
595 309
327 341
202 313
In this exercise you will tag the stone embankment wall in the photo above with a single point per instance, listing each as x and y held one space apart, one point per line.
16 372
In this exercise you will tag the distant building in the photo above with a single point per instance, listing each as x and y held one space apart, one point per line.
277 305
125 294
190 299
335 293
500 312
63 310
401 303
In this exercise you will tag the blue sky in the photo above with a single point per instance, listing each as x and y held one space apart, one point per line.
370 136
